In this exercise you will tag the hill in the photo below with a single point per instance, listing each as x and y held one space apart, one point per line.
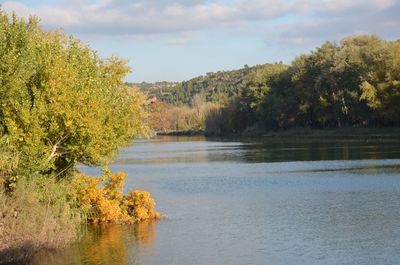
214 86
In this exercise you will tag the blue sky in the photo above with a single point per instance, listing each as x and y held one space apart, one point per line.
175 40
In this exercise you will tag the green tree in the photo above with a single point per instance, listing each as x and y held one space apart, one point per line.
255 87
381 86
60 103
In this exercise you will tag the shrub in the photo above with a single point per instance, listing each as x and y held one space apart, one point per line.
140 205
102 199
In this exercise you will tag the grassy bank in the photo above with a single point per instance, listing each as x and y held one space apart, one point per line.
37 215
40 214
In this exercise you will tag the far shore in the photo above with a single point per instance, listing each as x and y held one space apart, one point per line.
347 133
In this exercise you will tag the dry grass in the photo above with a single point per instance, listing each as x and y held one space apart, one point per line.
36 216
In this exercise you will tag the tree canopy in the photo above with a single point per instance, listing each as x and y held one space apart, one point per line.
60 103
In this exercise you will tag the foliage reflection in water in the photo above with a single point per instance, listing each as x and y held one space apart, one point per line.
106 244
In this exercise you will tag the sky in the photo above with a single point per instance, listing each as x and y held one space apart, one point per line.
175 40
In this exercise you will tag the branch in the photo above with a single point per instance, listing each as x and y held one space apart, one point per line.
55 147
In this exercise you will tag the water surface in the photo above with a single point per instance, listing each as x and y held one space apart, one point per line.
276 203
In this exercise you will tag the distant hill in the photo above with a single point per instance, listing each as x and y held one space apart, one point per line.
156 88
214 86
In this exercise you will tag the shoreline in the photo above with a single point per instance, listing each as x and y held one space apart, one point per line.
346 133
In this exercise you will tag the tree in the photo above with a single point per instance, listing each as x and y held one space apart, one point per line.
256 86
381 87
60 103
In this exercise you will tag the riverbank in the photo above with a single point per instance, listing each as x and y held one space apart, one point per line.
348 133
183 133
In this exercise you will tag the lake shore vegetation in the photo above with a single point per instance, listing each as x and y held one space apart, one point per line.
351 84
61 105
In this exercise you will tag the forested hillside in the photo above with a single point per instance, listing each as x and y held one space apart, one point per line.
354 83
214 86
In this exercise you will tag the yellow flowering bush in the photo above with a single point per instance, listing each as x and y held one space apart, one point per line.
140 205
103 200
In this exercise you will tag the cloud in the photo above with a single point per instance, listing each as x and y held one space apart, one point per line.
354 6
297 21
371 17
139 17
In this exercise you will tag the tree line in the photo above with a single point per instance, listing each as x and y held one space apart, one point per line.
353 83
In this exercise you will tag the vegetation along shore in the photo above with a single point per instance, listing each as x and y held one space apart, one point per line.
351 84
61 105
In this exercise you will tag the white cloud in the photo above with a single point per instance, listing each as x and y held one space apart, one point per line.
108 17
312 18
354 5
371 17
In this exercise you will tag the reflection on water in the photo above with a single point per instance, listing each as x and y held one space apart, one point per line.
167 150
106 244
275 203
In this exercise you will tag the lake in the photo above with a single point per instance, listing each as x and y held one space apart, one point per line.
279 202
